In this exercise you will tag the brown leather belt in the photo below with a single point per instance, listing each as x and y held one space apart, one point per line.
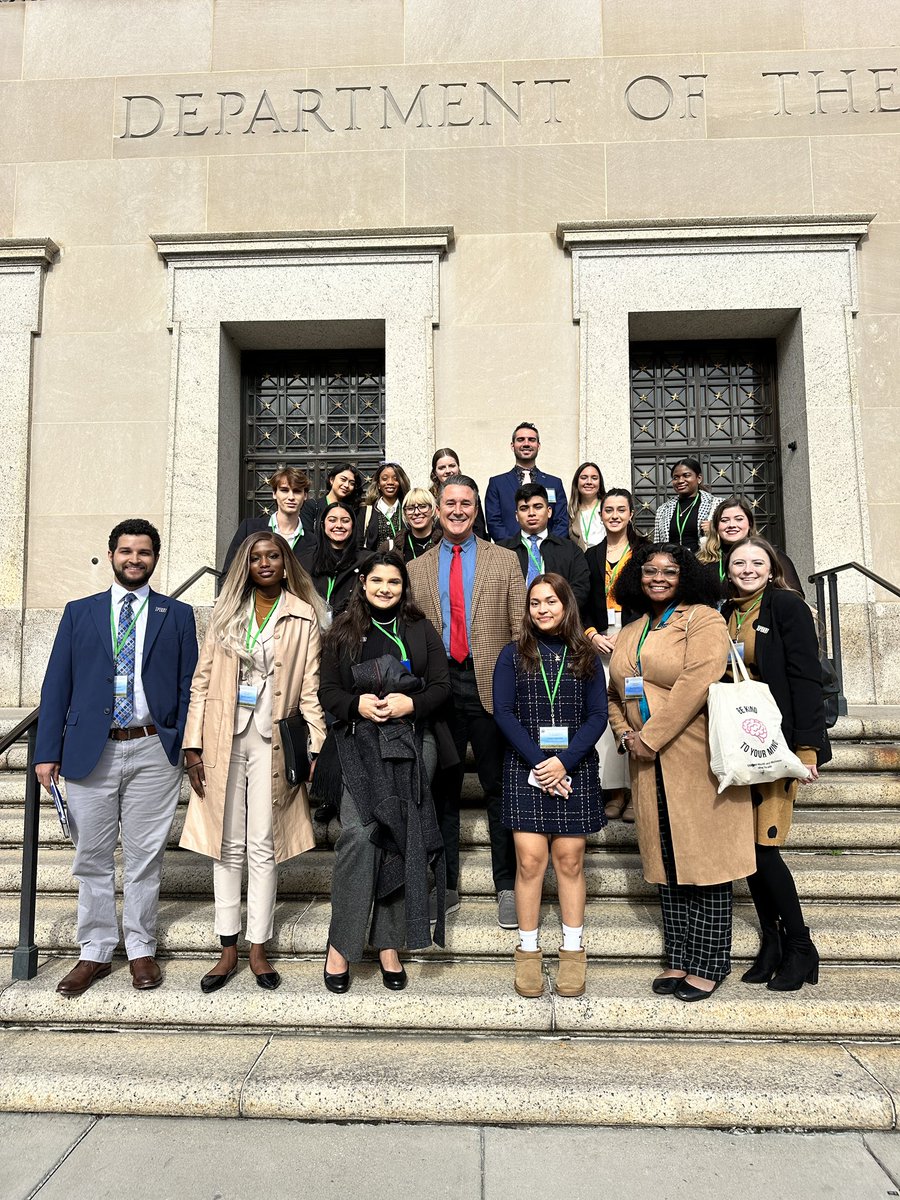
127 735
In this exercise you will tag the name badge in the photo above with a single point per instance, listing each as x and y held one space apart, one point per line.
739 647
613 619
553 737
120 686
551 495
247 695
404 662
634 687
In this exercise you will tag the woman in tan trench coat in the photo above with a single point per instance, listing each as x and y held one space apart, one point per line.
259 663
693 842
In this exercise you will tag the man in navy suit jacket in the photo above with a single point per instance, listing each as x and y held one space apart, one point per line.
500 499
113 709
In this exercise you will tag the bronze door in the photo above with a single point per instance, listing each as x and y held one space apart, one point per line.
309 409
715 401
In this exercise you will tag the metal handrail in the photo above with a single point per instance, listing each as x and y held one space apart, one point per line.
25 955
834 617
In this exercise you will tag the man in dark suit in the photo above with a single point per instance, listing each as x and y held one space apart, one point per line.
500 500
294 516
474 596
113 708
539 551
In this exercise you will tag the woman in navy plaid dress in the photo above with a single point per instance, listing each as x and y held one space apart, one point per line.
550 705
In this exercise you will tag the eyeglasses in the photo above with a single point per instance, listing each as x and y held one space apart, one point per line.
411 508
666 572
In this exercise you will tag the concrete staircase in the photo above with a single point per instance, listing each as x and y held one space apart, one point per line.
459 1045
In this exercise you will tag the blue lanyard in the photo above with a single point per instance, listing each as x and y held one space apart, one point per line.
643 705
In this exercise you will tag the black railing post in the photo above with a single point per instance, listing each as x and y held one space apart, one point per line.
25 955
835 617
820 612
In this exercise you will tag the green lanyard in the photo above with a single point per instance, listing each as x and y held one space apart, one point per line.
390 521
586 529
273 525
119 646
741 617
538 562
551 695
251 645
392 634
721 568
647 628
331 583
681 524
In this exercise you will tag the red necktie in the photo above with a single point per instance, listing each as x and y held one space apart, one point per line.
459 642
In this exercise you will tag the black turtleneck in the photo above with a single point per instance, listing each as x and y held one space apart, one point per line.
377 643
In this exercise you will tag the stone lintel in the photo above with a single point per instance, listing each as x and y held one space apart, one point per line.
218 247
837 227
40 252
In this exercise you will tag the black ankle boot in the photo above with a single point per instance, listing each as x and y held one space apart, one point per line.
799 965
768 958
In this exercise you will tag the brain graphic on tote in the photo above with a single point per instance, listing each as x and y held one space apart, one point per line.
755 728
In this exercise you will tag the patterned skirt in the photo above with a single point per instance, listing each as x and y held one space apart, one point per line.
529 810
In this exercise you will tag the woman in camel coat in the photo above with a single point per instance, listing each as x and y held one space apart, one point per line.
693 841
259 663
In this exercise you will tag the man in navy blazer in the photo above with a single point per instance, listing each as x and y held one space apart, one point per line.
500 499
113 708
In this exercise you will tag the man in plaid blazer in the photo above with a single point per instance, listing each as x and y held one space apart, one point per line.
494 593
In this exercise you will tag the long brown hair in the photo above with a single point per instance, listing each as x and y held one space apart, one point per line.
345 637
711 550
777 581
581 657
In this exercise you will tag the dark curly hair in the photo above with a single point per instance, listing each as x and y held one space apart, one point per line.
694 584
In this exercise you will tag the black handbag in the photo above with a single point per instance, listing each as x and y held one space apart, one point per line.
294 733
831 690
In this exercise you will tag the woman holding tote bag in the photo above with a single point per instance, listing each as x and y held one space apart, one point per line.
776 637
693 841
258 663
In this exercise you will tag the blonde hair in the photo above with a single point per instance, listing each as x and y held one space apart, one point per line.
419 495
228 624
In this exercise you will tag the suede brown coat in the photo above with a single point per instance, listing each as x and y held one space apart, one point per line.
712 835
210 725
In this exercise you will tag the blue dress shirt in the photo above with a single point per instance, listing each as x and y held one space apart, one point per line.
468 573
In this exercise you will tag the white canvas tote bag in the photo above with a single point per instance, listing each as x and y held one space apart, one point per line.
746 744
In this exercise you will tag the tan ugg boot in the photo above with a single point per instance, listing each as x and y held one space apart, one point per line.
572 972
529 973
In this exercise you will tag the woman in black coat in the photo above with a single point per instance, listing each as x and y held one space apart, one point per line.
332 561
776 637
605 618
383 635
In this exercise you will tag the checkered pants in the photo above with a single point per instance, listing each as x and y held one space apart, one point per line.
696 918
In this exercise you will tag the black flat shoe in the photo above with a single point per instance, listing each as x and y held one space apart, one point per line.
337 982
665 985
687 992
212 983
395 980
268 980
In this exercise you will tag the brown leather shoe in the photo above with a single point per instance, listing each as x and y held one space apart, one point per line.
145 973
82 975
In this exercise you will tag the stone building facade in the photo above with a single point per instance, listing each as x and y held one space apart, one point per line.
552 211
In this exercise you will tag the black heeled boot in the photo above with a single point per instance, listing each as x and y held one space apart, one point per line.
768 957
799 965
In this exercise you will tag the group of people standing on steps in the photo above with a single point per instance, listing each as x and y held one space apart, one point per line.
406 625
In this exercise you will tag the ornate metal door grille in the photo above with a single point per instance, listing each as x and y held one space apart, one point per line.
312 410
715 401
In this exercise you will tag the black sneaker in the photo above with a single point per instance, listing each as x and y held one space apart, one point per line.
452 904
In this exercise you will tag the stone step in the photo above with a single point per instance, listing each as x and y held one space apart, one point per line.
834 789
864 756
824 828
848 1002
851 875
526 1080
614 929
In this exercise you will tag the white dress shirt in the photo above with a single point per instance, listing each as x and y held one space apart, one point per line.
141 711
